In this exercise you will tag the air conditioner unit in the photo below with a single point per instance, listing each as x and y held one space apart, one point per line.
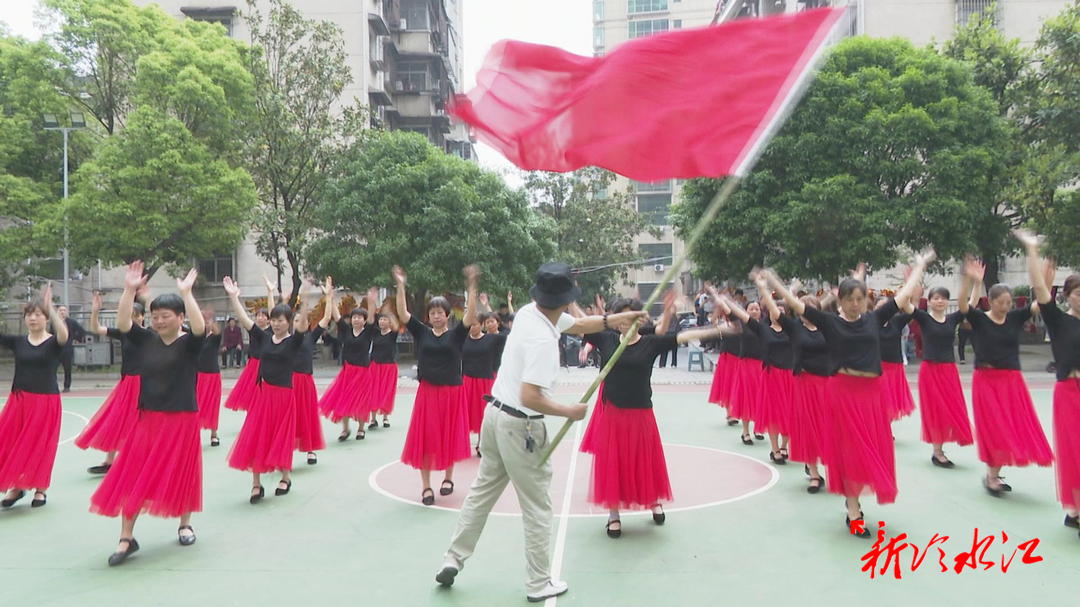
404 24
659 267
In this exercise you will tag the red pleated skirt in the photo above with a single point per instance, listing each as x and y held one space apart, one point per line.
1007 430
720 391
115 419
475 389
1067 441
268 437
859 450
588 440
243 393
895 391
383 382
746 389
774 410
208 395
629 469
942 406
158 470
309 435
348 395
439 428
29 436
809 418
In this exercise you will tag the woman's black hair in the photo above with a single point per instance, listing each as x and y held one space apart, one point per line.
262 311
137 309
358 311
168 301
37 304
626 303
998 290
282 310
439 302
849 286
1072 283
942 291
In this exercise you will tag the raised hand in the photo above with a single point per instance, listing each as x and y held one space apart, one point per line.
623 320
133 279
328 286
46 294
96 305
373 297
472 274
1049 272
859 272
974 268
1026 238
600 304
510 297
484 300
927 257
669 299
399 275
269 284
231 288
185 284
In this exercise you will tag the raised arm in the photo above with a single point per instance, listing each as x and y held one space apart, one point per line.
669 312
510 301
233 291
402 300
472 278
1036 270
713 332
133 281
575 310
372 307
914 279
793 302
485 305
328 293
595 324
304 324
271 300
95 309
60 329
766 295
191 306
974 271
735 309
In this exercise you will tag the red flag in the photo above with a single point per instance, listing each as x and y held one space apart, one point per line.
690 103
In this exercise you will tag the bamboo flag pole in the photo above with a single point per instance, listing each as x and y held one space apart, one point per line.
718 201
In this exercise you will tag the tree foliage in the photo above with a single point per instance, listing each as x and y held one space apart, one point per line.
595 226
892 148
400 200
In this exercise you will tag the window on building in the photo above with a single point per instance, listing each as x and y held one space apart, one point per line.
645 291
655 205
646 6
648 27
676 24
966 9
644 187
597 37
657 253
598 10
415 14
423 130
224 16
412 75
215 269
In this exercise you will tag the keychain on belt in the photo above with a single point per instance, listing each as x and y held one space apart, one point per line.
530 443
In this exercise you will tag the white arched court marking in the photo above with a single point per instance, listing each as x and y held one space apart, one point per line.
86 422
774 478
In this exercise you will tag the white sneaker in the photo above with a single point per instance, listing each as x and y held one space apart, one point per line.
552 589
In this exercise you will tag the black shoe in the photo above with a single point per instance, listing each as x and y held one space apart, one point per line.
732 421
779 461
344 436
99 469
385 424
312 459
659 517
280 492
814 488
215 441
426 499
1004 486
360 434
963 362
942 464
186 540
444 490
746 440
806 469
255 497
37 503
614 533
864 534
446 575
759 436
66 390
373 425
1072 521
119 557
991 490
784 452
7 503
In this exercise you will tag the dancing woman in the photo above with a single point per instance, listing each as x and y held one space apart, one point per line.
208 386
349 395
118 414
439 429
383 370
859 450
30 421
159 468
1007 429
478 368
244 391
1064 329
895 391
309 435
746 385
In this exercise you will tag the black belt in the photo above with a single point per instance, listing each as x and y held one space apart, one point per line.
508 409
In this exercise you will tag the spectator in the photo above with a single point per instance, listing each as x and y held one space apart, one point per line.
76 333
232 345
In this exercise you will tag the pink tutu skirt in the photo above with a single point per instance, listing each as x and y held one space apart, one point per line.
309 436
746 389
439 428
243 393
475 389
774 410
29 436
942 406
208 395
383 385
859 450
348 395
895 391
1067 441
588 440
1007 430
158 470
720 391
809 418
629 469
268 437
115 419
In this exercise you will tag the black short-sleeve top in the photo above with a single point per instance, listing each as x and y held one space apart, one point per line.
384 347
811 351
356 349
750 346
478 355
208 358
35 366
998 346
777 344
1064 332
278 357
938 337
169 371
130 364
731 344
306 354
438 357
892 350
853 345
254 347
629 384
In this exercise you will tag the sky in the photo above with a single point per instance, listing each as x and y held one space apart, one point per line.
563 23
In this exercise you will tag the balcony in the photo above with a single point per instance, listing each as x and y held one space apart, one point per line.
378 97
416 42
378 54
377 18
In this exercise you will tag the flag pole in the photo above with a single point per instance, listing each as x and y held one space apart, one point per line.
726 190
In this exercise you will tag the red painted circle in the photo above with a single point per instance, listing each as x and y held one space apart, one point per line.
700 477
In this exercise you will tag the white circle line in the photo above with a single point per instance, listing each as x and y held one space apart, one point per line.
86 422
774 478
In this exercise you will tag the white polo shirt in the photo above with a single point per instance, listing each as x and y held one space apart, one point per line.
531 356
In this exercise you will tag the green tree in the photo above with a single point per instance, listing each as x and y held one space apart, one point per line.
595 225
299 69
892 148
400 200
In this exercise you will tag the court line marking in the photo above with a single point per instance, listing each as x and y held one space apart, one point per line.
560 535
86 422
775 478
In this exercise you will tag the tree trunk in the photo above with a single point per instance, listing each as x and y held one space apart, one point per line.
993 268
294 265
419 298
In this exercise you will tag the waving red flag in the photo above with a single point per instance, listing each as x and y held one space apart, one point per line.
690 103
